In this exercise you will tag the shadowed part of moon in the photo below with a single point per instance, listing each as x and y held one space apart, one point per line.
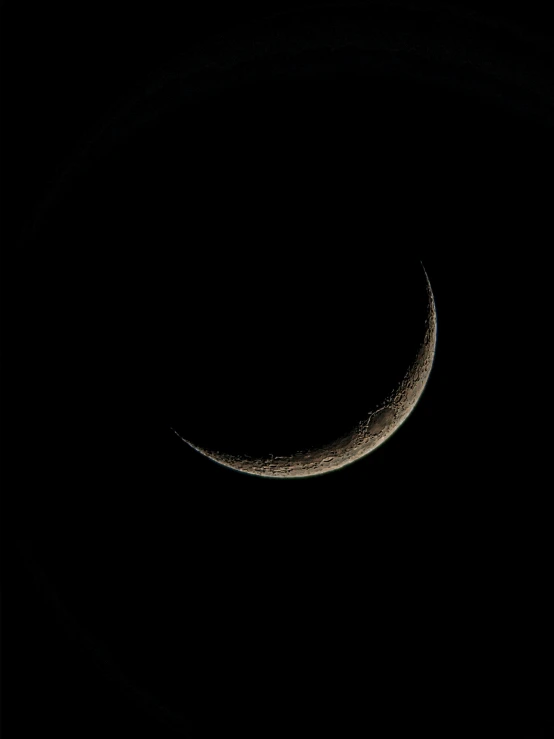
372 431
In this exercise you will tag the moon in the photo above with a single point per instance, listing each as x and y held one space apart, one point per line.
375 427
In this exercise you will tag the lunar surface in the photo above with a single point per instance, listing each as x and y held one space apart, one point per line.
374 429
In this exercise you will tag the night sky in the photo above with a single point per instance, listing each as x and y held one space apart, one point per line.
237 255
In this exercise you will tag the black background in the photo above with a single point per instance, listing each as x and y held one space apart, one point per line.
151 592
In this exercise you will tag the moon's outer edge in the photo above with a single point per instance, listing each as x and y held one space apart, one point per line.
364 438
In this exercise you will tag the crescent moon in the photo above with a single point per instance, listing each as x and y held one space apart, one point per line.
370 433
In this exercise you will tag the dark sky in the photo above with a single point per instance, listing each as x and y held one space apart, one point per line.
236 255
